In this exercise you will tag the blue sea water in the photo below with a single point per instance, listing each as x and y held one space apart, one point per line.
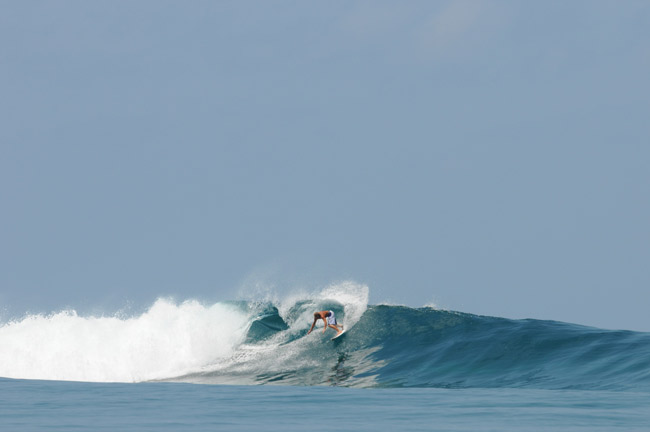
249 364
64 406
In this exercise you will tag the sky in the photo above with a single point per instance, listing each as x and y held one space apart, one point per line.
490 157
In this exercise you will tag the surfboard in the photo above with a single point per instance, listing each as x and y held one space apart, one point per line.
338 335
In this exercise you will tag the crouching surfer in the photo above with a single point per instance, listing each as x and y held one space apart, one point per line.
329 319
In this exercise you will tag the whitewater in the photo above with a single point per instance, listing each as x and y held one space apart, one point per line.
265 342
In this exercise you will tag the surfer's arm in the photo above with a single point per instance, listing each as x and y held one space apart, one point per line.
312 326
325 325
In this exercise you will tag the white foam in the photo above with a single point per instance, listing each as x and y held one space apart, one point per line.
168 340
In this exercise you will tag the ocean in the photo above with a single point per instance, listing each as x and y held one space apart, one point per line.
245 365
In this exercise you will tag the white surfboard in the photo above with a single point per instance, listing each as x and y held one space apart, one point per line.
338 335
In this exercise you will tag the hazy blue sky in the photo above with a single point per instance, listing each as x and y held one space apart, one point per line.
491 157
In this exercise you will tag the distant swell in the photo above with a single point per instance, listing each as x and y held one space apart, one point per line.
266 343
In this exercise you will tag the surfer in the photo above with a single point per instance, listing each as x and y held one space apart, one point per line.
329 319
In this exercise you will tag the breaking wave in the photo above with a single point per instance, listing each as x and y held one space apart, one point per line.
265 342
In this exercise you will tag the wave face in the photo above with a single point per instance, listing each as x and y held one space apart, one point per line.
266 343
